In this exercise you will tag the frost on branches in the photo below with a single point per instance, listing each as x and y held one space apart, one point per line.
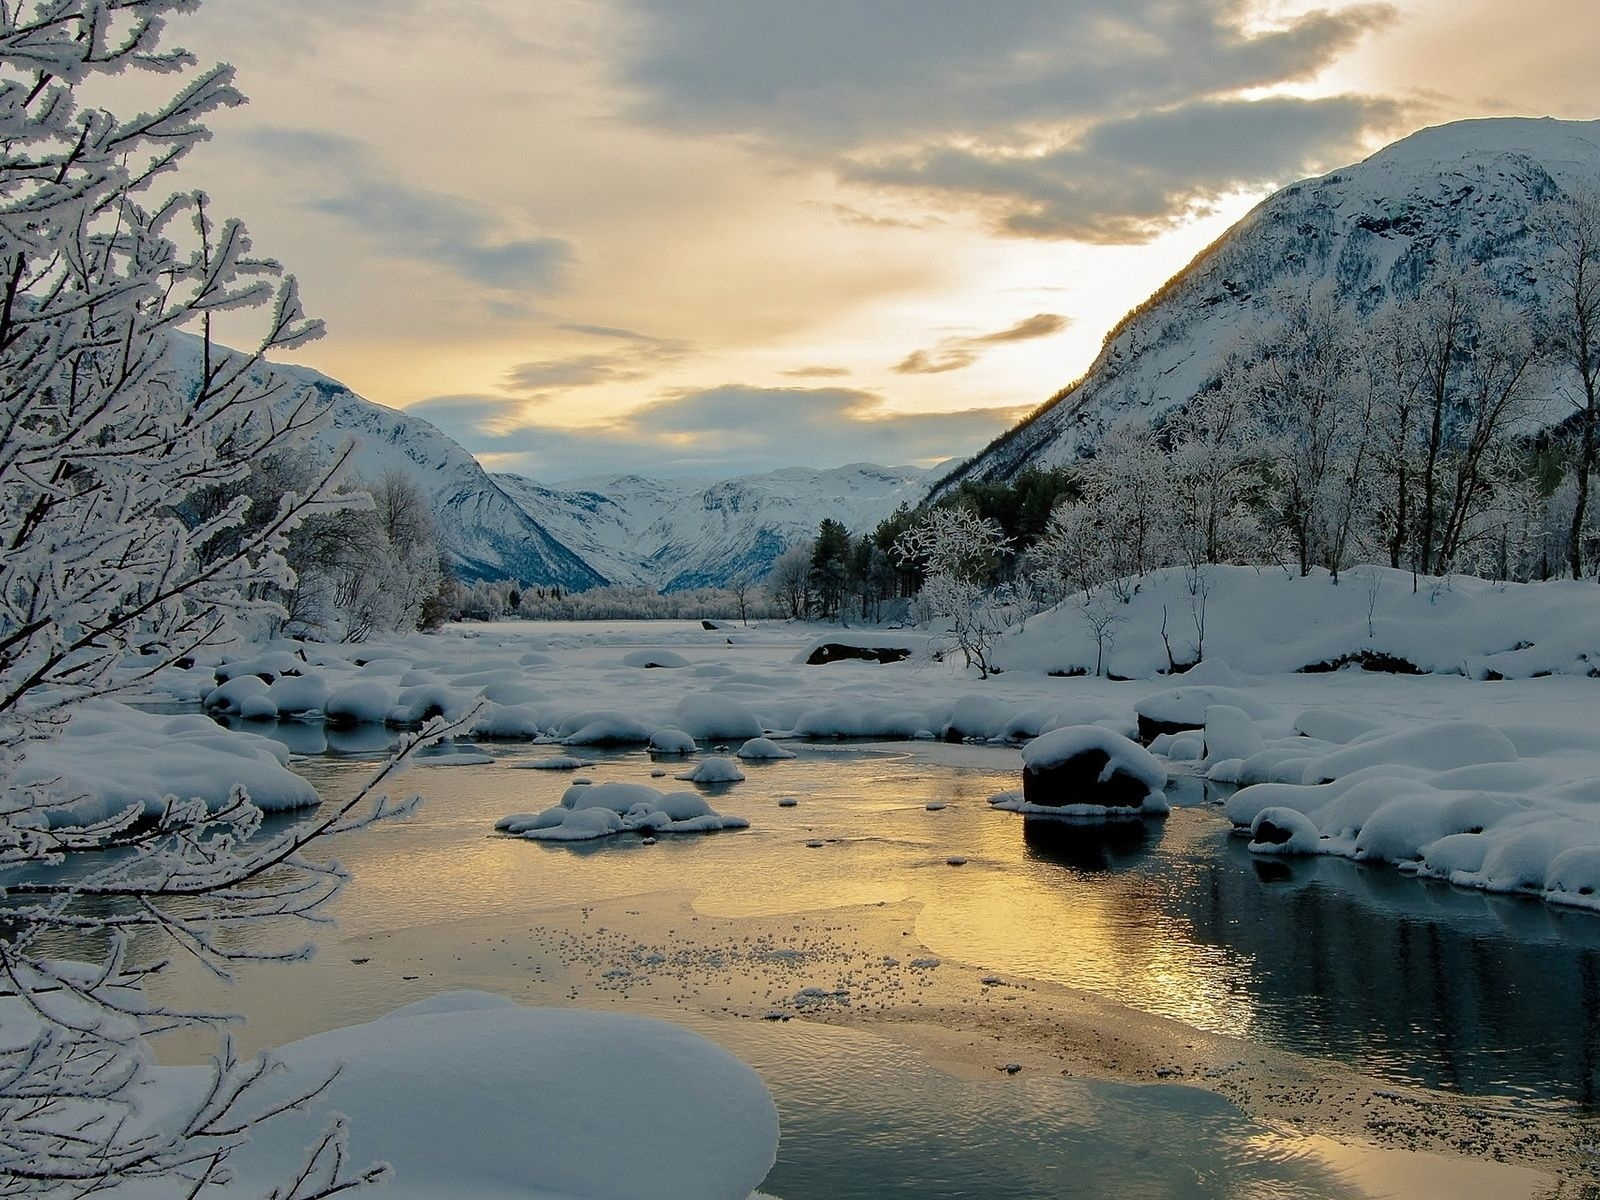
104 444
959 552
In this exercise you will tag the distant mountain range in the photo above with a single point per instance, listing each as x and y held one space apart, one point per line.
1372 229
669 535
1468 188
675 534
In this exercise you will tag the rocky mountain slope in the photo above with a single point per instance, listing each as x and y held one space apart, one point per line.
1464 190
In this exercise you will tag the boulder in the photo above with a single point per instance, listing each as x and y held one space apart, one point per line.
837 651
1090 765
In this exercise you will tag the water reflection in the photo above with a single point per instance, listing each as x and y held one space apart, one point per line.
1416 981
1419 982
314 738
1091 847
846 1135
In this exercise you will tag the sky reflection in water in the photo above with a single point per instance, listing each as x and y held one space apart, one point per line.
1416 982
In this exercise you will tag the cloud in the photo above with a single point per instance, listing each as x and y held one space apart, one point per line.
1063 119
460 236
717 432
1130 179
818 372
954 353
638 356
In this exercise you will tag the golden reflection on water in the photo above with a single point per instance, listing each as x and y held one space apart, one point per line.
1010 907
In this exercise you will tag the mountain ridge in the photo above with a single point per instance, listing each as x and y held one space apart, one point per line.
1374 228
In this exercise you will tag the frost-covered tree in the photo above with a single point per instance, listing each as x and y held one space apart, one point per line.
959 552
1570 226
1302 373
111 438
1470 365
1125 486
1214 479
789 581
391 571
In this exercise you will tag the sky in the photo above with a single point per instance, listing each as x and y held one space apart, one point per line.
712 237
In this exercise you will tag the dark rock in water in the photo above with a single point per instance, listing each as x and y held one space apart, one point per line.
1367 660
1151 728
836 651
709 625
1269 833
1076 780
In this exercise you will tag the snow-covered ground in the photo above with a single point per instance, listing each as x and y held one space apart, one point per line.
1473 755
1483 769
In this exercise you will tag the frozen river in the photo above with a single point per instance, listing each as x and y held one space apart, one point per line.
1412 984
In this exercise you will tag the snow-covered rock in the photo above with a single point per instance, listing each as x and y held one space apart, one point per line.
669 740
710 717
470 1095
600 810
714 769
1089 769
762 749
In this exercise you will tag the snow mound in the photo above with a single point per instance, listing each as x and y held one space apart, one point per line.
295 694
715 769
469 1095
600 810
109 758
556 762
710 717
760 749
603 729
365 700
671 741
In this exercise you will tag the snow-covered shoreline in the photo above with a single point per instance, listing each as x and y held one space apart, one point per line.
1477 760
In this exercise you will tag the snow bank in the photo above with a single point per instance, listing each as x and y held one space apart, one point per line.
1450 801
469 1095
1435 747
110 757
1270 621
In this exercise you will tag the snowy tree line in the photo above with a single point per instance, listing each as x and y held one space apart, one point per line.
485 600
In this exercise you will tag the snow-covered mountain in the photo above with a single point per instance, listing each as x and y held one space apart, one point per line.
678 533
665 534
1371 228
486 532
483 531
